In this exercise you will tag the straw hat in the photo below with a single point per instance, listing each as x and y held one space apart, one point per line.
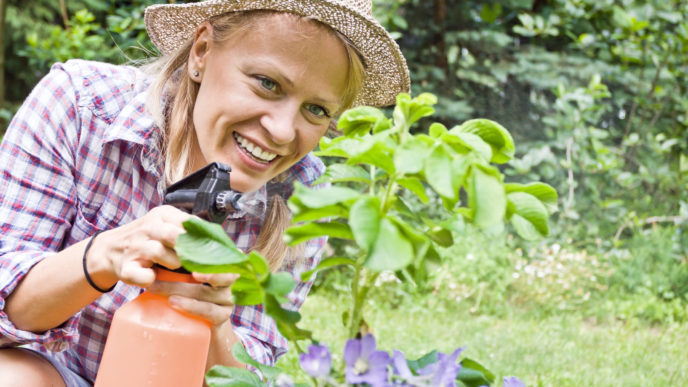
170 25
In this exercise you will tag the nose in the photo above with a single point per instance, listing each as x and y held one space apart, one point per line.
281 122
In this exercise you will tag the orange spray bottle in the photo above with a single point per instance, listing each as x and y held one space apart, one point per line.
149 343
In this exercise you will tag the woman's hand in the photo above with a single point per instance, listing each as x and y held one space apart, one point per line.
128 252
211 299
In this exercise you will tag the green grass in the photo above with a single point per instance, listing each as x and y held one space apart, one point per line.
558 350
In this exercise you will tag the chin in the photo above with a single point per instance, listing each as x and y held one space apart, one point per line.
246 188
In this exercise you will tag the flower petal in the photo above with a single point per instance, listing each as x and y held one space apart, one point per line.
512 381
378 359
367 345
352 351
400 364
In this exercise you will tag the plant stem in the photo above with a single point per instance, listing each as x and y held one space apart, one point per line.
354 314
372 180
298 347
391 187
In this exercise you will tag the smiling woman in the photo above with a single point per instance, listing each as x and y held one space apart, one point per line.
87 159
272 87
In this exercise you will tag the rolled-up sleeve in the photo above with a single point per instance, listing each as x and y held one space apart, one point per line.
37 204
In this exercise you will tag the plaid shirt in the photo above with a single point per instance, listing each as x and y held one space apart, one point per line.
80 156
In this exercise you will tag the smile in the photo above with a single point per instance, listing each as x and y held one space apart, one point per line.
254 150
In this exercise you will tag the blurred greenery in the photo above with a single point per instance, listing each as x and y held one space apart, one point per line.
595 93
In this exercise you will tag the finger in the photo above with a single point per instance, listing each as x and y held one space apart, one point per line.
166 232
218 280
135 273
219 296
172 214
214 313
163 255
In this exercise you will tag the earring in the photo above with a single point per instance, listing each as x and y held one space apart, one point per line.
196 73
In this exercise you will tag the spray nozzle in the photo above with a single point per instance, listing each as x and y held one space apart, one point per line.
205 193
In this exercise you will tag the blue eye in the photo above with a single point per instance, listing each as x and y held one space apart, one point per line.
268 84
318 111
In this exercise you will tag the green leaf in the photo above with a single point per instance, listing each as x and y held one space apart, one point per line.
337 147
414 185
247 291
337 173
438 233
301 212
364 221
473 374
425 360
241 355
221 376
318 198
260 266
544 192
529 215
492 133
279 285
418 239
325 264
486 198
206 248
285 320
391 251
361 120
407 110
476 143
437 170
436 130
377 150
410 156
297 234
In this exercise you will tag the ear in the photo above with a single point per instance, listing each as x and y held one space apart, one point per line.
199 51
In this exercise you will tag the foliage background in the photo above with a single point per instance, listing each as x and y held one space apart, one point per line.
595 93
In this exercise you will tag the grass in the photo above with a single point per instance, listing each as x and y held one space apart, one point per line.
553 315
558 350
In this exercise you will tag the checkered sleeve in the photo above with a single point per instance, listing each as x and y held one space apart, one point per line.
37 203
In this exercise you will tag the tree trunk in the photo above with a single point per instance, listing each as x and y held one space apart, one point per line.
65 15
440 17
3 8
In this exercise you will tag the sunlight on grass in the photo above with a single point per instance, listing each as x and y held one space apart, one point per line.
561 350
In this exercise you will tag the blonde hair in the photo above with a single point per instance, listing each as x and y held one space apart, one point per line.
171 102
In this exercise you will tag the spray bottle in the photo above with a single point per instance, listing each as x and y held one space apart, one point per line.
150 343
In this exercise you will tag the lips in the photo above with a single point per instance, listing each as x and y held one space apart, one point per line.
257 153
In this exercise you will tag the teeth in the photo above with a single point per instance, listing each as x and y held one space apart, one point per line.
254 149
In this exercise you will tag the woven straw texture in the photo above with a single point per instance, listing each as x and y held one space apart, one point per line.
170 25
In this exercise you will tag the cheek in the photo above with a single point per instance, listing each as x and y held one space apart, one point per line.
310 141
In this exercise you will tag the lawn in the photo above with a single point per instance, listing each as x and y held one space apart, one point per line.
558 350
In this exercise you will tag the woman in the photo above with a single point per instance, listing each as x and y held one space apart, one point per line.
86 160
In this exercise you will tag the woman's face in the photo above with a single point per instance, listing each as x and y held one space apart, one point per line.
266 96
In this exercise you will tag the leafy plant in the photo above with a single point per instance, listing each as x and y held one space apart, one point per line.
362 205
60 44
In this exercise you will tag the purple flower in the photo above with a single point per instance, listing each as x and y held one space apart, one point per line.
400 364
364 364
443 371
284 380
512 381
317 362
402 370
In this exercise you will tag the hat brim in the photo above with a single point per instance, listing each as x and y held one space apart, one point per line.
171 25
